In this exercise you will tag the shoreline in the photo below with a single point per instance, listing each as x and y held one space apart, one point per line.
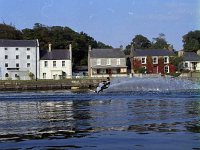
65 84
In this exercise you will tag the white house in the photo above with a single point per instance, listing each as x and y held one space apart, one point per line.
56 64
19 58
191 61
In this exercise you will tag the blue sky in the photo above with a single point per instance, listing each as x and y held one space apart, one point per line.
114 22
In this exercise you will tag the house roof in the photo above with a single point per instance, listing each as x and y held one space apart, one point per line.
107 53
190 56
152 52
18 43
55 54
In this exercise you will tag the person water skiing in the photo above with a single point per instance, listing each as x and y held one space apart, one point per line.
103 85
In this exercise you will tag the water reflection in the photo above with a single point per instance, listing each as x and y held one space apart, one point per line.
72 117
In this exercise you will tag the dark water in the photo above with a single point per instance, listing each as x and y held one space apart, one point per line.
73 120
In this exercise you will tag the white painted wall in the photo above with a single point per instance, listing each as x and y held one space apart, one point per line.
23 71
54 72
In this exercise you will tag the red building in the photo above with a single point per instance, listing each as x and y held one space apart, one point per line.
152 61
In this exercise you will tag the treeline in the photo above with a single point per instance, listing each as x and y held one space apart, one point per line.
191 42
59 37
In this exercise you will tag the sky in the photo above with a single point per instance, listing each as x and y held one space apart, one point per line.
113 22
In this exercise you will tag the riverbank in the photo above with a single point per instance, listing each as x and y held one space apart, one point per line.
69 84
21 85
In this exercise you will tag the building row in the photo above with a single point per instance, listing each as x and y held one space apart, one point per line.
23 59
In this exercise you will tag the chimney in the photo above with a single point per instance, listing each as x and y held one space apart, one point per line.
90 48
198 52
50 47
70 51
180 53
89 65
131 51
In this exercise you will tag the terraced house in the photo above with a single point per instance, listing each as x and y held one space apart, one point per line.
106 62
56 63
19 59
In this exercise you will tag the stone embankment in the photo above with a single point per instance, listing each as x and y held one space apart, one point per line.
20 85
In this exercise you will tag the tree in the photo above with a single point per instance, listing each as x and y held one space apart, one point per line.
9 32
141 42
60 38
191 41
160 42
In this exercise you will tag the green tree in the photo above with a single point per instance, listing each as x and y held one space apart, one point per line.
60 37
141 42
160 42
9 32
191 41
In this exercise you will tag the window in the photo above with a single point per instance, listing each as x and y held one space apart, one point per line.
28 49
6 75
45 63
5 48
155 60
143 60
108 61
28 57
166 69
6 64
17 56
16 75
186 65
44 75
118 61
166 59
17 65
63 63
6 56
54 63
16 49
98 61
28 65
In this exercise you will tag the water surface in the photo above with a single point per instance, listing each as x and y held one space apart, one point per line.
84 120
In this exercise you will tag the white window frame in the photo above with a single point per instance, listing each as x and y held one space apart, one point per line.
54 64
186 65
44 75
63 64
166 59
28 65
155 60
17 56
98 61
28 57
108 62
143 60
166 69
45 64
118 61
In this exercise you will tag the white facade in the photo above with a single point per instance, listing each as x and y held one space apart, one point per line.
55 69
56 64
18 62
192 66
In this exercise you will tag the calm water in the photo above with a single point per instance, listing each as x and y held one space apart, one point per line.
84 120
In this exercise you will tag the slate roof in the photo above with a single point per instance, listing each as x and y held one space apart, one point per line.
55 54
17 43
107 53
190 56
152 52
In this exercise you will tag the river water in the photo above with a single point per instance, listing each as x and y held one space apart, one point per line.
115 120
